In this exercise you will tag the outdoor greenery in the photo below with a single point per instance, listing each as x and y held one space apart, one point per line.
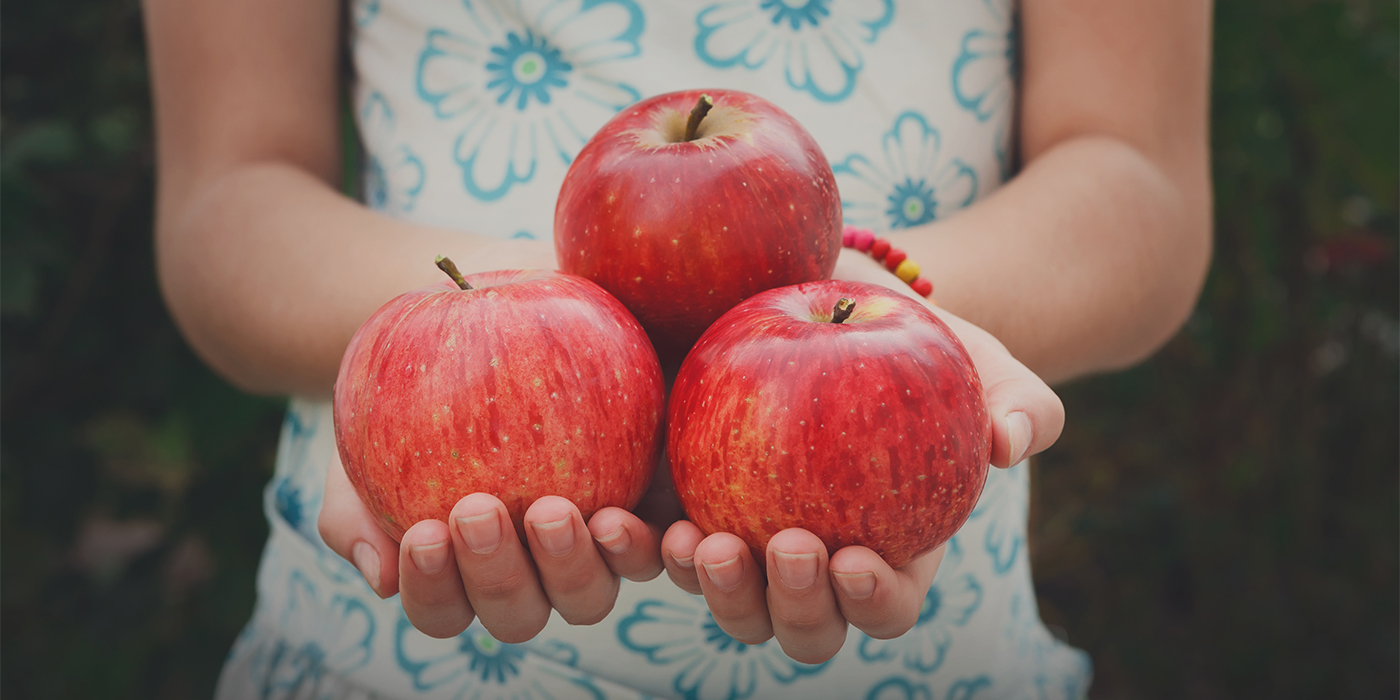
1222 521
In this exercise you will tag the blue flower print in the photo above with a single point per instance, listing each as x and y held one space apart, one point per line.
816 42
475 666
984 73
394 175
288 500
524 68
1034 646
1004 503
898 688
708 663
294 493
320 639
911 184
949 604
967 688
521 81
364 12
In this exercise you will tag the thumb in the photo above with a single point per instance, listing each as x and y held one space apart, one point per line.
348 528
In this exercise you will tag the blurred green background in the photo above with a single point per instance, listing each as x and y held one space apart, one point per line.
1220 522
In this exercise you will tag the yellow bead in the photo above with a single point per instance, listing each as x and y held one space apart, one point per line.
907 271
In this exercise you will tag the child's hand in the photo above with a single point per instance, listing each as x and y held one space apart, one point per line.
806 601
477 567
803 599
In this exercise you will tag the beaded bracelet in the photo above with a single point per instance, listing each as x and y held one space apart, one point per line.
896 261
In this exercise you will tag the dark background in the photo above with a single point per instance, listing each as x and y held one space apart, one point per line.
1220 522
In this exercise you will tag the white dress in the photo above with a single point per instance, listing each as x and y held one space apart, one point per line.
470 111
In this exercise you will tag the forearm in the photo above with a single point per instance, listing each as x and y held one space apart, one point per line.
1088 260
269 271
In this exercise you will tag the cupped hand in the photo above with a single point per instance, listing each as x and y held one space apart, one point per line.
797 594
478 567
805 599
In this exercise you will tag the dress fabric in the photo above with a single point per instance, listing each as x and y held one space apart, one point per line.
470 112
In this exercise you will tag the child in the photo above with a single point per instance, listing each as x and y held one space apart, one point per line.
1086 260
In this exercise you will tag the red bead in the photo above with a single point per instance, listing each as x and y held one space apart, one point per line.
922 286
879 248
848 236
863 238
894 258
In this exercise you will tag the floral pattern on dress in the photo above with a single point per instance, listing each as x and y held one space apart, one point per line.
364 12
321 640
815 43
519 80
707 662
297 497
478 667
985 73
1004 503
392 181
1034 647
900 688
948 604
911 183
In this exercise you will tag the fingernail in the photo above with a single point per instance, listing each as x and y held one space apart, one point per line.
1018 433
686 562
726 575
797 571
557 537
367 561
855 586
482 532
429 558
617 541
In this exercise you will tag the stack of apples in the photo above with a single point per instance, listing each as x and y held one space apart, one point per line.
696 229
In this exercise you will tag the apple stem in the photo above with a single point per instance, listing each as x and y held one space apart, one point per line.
702 107
842 310
446 265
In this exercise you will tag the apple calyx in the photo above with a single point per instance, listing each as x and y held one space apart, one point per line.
843 309
446 265
692 125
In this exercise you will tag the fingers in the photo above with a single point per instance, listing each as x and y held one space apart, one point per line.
880 601
430 585
678 555
801 603
1026 415
577 582
496 570
629 546
734 587
348 528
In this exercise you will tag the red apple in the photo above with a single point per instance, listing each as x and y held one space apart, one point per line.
528 384
682 222
871 430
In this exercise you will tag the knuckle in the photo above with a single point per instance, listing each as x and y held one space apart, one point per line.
567 586
501 585
804 621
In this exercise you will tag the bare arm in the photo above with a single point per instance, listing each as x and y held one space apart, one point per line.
1092 256
266 267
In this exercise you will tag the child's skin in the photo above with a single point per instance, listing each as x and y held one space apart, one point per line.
1088 260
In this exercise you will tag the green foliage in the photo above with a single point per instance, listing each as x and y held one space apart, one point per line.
1220 521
